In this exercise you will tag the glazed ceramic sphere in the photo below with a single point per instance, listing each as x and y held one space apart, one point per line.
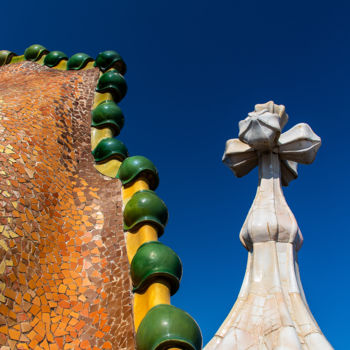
153 261
78 61
137 166
108 113
6 56
165 327
110 59
112 82
35 52
110 148
145 207
53 58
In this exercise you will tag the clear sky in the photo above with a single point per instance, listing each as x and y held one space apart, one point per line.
195 68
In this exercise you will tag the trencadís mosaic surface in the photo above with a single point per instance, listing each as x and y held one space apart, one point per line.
63 271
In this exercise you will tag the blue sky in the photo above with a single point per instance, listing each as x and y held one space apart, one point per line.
195 68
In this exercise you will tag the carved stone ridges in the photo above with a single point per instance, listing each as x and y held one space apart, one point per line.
271 311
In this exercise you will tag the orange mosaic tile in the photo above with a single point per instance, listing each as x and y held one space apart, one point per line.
64 273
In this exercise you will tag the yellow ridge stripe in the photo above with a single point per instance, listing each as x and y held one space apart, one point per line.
129 190
41 60
134 240
98 135
101 97
158 292
62 65
16 59
109 168
90 65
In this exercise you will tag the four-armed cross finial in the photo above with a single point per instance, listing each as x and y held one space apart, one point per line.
261 132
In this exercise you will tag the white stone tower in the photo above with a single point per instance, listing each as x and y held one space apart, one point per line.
271 312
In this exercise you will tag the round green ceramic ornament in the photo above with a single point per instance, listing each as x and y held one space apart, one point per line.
153 261
35 52
53 58
165 327
108 114
110 59
112 82
78 61
109 148
6 56
136 166
145 207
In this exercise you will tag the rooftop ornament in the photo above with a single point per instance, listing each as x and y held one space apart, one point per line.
271 311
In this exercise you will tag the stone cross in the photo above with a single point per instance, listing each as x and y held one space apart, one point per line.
271 311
